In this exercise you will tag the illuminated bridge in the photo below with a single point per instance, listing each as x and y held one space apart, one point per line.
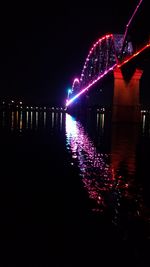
108 54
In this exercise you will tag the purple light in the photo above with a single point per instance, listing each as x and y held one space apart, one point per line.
92 48
68 102
134 55
130 20
99 75
88 158
76 80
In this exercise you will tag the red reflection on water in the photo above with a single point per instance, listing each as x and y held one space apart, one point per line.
108 178
95 168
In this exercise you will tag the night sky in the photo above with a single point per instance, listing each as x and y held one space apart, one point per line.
43 47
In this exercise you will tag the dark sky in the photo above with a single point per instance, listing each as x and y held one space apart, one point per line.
43 47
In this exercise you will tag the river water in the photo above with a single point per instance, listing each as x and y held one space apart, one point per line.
74 191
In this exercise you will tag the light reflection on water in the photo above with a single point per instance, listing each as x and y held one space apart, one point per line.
31 120
109 178
44 119
36 119
93 165
12 120
52 119
20 122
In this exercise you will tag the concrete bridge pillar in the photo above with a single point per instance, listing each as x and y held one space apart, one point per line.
126 104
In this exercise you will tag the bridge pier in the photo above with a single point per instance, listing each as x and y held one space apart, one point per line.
126 104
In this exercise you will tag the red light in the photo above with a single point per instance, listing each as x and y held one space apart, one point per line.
134 55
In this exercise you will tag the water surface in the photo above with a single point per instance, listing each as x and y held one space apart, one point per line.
75 191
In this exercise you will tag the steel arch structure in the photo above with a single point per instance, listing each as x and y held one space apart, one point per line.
106 54
101 59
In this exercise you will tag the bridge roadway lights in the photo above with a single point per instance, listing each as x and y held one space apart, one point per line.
126 103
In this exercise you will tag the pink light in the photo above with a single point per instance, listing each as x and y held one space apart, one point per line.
76 80
92 48
134 55
88 158
86 88
68 102
129 22
136 9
